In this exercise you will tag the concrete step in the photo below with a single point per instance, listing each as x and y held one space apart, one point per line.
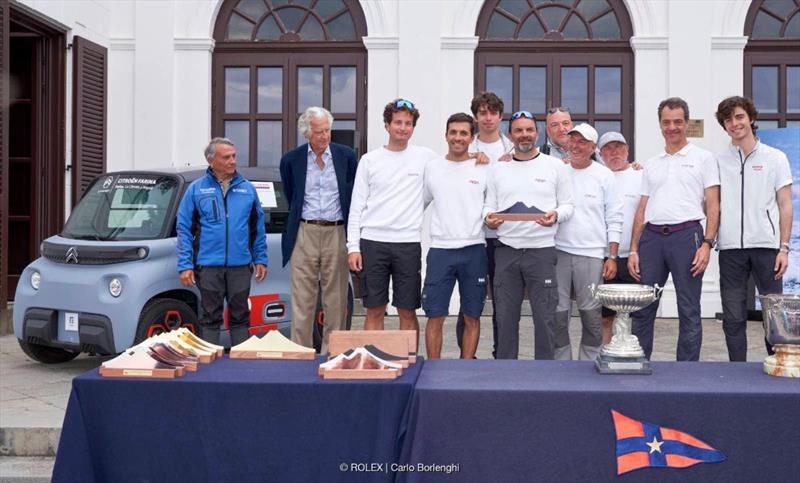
28 469
29 442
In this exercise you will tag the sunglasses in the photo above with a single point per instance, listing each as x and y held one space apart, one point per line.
520 114
554 110
401 103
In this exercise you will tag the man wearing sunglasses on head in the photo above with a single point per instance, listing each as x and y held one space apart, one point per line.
539 186
558 124
383 230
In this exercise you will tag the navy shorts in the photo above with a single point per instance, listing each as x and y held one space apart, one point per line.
623 276
466 265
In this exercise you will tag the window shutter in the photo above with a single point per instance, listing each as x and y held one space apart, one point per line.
89 116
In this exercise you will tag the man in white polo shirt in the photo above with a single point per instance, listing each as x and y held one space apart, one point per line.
532 183
613 150
582 243
667 235
455 186
383 229
755 221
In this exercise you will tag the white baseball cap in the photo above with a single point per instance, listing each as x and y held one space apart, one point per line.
610 137
586 131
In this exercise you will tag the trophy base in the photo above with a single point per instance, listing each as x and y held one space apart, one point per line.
622 365
785 362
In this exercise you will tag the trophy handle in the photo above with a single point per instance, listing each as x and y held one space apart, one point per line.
593 289
657 291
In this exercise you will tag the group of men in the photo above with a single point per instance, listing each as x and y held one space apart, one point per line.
589 221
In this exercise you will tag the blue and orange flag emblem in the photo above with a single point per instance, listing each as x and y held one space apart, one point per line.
645 445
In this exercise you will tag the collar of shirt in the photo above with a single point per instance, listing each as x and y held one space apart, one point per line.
736 149
326 155
683 152
507 144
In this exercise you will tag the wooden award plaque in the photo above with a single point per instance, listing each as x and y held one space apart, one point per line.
401 343
359 363
274 345
519 216
138 364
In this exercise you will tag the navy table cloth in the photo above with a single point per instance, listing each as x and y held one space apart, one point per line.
232 421
550 420
478 421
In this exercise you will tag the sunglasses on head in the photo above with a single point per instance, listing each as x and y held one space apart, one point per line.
520 114
401 103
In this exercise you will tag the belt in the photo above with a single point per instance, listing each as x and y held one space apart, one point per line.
323 222
667 229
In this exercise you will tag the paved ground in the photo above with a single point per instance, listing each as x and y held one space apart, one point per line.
33 396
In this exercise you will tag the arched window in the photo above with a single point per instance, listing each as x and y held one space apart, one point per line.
538 54
772 61
274 58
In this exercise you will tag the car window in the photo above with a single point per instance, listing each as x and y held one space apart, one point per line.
123 207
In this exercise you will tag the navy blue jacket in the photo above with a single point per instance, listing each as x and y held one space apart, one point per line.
293 176
220 231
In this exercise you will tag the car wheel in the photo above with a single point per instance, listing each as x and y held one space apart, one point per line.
319 320
163 315
45 354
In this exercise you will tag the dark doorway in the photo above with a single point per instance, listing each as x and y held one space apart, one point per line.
35 162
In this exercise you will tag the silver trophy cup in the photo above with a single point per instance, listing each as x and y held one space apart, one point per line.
624 355
782 328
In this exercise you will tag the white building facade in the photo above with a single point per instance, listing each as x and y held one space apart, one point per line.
181 71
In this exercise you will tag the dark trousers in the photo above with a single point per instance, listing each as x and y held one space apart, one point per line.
660 255
517 269
220 284
735 268
490 247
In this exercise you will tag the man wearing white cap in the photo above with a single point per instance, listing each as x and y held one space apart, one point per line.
613 150
582 243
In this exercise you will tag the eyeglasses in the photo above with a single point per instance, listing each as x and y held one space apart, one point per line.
554 110
520 114
401 103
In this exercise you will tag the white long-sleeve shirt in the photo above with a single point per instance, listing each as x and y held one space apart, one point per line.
494 151
456 192
597 220
629 188
387 196
543 182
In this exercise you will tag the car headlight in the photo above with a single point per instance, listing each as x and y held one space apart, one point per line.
36 279
115 287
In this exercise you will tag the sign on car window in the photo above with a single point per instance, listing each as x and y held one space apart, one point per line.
266 193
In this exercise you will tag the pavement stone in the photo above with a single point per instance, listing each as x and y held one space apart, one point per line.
31 469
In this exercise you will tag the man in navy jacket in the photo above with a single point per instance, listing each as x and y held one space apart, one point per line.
221 237
318 182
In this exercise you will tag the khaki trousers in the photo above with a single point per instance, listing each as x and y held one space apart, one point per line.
319 260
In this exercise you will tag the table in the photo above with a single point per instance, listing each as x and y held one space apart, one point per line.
233 420
550 420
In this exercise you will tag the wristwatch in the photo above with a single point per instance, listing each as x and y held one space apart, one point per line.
785 248
711 243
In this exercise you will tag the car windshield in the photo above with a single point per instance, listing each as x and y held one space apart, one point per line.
123 207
